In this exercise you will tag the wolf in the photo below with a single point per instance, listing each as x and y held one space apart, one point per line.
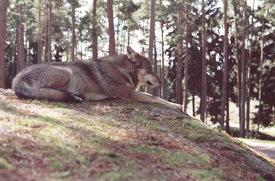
116 76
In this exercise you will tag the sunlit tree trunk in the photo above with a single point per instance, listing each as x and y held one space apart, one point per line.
3 25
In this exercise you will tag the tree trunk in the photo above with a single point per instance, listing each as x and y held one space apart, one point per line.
39 37
118 32
152 30
203 87
73 33
50 34
15 59
21 50
112 48
94 30
151 38
243 74
162 90
227 127
249 77
155 60
3 25
236 12
225 78
178 98
178 95
46 36
261 74
193 103
186 66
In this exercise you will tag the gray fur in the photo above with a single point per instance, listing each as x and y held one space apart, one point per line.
108 77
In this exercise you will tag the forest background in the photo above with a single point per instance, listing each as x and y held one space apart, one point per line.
219 51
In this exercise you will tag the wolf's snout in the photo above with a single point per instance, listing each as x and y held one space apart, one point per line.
155 81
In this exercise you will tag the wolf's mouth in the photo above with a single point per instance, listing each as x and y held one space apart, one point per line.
149 83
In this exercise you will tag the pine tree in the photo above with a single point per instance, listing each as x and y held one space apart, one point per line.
178 98
73 32
186 65
112 47
162 91
3 20
225 70
243 74
203 81
94 30
151 38
21 58
39 33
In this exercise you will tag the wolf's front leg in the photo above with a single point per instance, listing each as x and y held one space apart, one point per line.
144 97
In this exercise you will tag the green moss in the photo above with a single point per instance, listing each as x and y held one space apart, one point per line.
4 164
206 175
197 131
177 158
259 178
58 104
142 148
60 157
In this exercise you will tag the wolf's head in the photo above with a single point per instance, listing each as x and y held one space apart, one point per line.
145 73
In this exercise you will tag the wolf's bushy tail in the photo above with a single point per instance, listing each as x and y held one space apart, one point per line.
25 91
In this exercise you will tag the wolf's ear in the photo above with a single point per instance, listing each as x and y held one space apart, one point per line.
132 55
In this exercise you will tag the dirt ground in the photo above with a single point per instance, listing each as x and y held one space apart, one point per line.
119 141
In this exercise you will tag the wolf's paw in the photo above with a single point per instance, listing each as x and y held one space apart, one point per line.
175 106
73 98
78 98
178 106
